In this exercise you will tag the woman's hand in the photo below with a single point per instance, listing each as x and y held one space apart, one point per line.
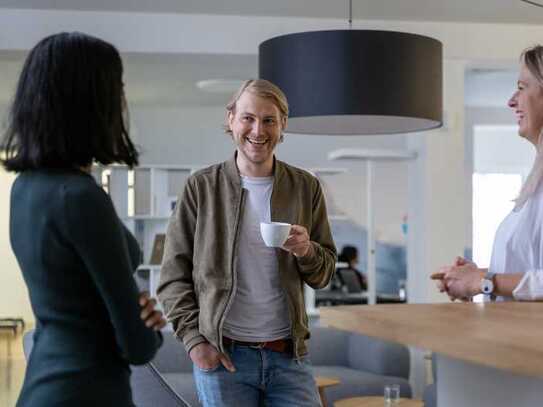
460 281
461 261
153 318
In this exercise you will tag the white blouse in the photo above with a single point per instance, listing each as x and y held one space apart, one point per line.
518 248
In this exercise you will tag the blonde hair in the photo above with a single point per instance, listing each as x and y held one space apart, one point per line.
262 88
532 58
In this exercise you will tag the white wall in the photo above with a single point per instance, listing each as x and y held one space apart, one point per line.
499 149
195 136
13 294
390 198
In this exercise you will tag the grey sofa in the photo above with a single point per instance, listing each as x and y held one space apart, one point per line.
362 364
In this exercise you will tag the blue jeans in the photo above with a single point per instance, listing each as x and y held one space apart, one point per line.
262 378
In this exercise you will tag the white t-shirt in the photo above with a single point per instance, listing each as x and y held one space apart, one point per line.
259 310
518 248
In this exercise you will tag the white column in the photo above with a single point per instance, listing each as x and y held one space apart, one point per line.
437 207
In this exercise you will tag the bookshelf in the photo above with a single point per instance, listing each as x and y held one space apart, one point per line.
144 199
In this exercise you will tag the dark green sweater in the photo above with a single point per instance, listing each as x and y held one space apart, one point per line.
77 260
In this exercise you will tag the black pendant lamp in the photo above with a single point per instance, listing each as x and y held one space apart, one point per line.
356 82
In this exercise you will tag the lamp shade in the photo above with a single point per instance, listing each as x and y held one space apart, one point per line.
356 82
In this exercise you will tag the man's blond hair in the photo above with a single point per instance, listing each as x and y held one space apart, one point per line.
261 88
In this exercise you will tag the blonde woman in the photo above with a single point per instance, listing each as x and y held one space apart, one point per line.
516 265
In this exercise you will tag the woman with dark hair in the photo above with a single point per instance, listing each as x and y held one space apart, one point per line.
349 255
76 256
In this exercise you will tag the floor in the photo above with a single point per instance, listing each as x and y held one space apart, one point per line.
12 367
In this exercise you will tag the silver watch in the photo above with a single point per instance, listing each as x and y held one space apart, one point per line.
487 283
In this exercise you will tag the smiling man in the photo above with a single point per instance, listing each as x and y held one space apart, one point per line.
236 304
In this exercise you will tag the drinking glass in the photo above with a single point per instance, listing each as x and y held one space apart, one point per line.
392 394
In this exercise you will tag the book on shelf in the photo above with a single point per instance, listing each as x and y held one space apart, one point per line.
158 249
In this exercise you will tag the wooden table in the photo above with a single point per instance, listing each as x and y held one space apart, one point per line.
322 383
375 401
504 335
488 354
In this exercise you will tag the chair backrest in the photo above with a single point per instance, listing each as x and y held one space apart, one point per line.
332 347
328 347
350 279
378 356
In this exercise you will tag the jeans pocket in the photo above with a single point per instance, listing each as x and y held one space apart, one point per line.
208 370
304 360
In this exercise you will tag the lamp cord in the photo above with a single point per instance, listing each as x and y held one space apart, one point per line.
350 14
533 3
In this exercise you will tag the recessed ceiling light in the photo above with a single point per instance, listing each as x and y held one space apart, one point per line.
219 85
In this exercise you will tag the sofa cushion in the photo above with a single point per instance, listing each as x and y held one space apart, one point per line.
183 384
355 383
328 346
172 357
149 388
378 356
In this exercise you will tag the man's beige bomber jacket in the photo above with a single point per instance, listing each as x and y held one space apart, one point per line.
198 279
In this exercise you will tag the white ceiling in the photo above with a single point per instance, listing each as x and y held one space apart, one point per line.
170 80
487 11
158 80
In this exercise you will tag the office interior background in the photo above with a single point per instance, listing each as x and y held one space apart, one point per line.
183 59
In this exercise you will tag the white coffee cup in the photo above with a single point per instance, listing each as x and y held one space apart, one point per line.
274 234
